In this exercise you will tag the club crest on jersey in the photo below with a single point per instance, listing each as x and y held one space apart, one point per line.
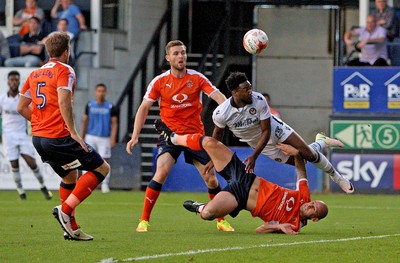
278 132
252 111
189 84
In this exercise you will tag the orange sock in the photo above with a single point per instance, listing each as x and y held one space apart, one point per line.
65 190
84 187
193 141
150 200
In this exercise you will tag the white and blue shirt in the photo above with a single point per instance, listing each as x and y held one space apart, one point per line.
100 118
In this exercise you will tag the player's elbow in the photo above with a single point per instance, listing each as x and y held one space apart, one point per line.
21 108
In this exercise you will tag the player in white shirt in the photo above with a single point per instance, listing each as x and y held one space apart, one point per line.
247 115
15 139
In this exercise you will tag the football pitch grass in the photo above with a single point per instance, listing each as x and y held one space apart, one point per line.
359 228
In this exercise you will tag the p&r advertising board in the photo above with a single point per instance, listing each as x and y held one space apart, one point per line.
366 90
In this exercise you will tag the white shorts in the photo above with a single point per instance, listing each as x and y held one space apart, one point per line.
280 131
101 144
17 143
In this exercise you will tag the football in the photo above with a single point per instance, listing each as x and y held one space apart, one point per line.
255 41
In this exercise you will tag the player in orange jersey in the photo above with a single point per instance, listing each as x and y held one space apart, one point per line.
46 101
179 93
283 210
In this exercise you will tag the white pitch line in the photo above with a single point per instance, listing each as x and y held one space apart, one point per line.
365 207
203 251
94 203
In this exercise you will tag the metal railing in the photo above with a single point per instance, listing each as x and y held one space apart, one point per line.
130 91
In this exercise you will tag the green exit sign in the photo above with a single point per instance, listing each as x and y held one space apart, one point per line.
376 135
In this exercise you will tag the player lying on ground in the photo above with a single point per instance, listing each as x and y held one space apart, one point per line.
283 210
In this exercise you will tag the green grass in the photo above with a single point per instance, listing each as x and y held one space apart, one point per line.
359 228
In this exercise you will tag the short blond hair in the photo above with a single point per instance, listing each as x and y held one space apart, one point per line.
57 43
173 43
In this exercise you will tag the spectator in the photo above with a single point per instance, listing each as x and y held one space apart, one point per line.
21 18
63 26
31 48
99 127
372 44
273 111
4 49
72 13
385 16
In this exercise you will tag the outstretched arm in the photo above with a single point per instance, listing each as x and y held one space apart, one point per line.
218 97
285 228
262 142
298 160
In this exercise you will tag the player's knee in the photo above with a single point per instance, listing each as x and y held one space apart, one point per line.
308 154
211 180
209 142
207 214
104 169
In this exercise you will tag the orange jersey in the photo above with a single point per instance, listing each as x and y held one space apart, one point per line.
180 100
280 205
41 86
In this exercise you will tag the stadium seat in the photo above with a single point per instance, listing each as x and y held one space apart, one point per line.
394 52
14 43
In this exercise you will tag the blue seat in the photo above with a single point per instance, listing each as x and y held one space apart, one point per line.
14 43
394 52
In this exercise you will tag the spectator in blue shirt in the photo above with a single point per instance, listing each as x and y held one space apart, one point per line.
72 13
99 127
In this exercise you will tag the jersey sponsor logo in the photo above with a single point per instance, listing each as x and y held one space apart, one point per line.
11 112
247 122
290 204
72 165
278 160
189 84
99 110
217 112
180 98
252 111
169 85
283 200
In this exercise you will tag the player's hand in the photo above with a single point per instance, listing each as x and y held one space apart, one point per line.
208 167
250 164
130 144
287 149
112 143
288 229
79 139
